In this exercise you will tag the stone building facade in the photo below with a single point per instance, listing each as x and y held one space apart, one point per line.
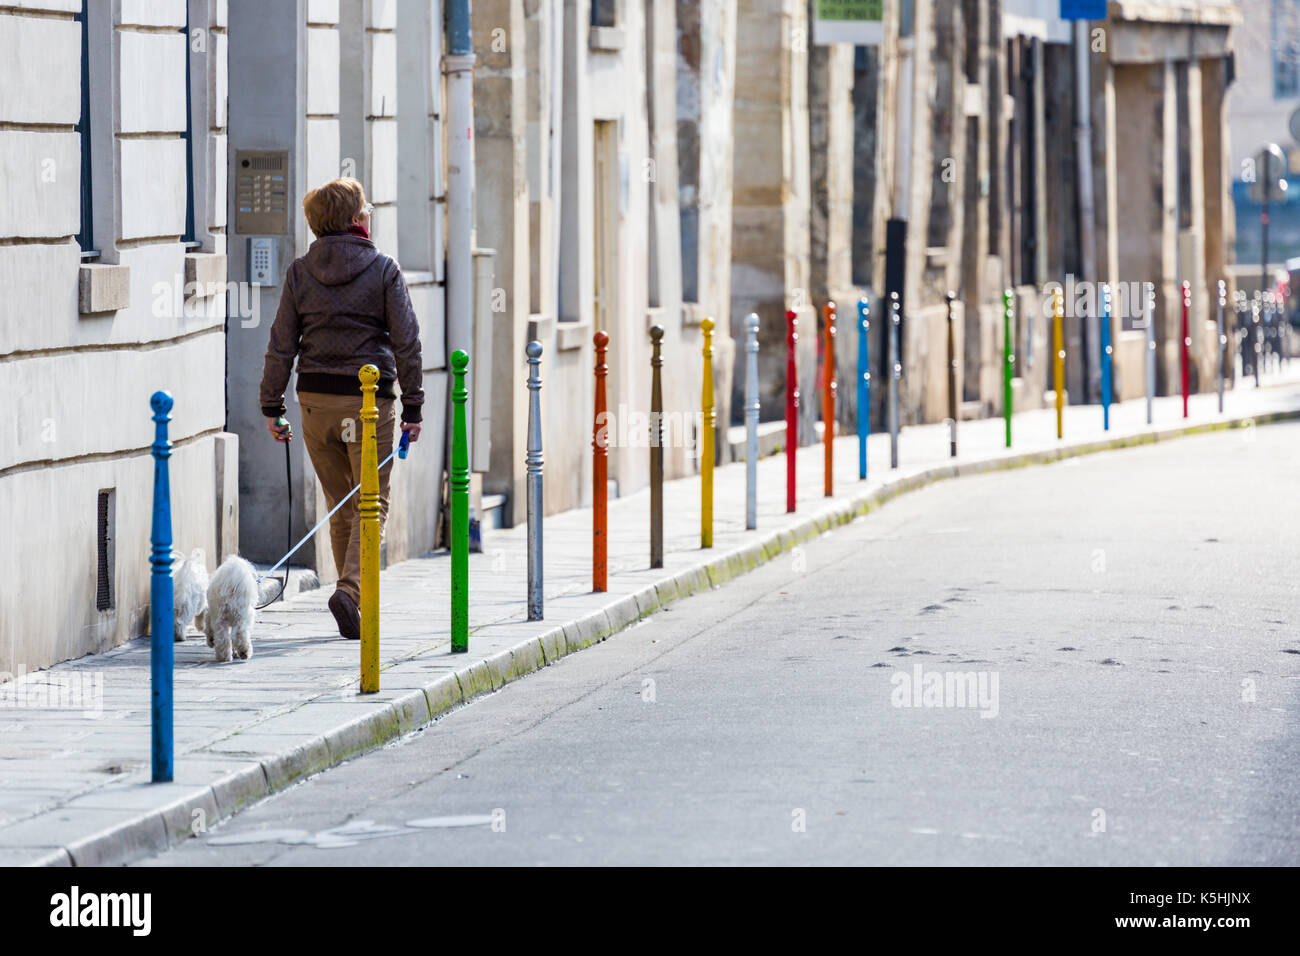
636 163
112 269
603 168
338 88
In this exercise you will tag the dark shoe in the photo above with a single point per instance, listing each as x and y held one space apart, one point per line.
347 614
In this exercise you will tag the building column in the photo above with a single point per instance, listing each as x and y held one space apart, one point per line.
1169 296
916 192
1192 251
770 212
979 382
1220 224
831 163
501 215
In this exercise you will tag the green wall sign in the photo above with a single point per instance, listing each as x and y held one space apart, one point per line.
849 21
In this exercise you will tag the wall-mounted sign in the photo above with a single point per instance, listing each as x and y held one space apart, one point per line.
849 21
1083 9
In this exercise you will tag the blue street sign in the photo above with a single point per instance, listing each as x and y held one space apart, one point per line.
1083 9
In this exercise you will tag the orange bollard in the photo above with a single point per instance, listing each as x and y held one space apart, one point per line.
828 396
600 471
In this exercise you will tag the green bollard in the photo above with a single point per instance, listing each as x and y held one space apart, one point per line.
459 506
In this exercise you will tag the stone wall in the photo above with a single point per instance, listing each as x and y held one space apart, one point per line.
85 340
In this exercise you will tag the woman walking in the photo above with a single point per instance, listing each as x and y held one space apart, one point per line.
344 305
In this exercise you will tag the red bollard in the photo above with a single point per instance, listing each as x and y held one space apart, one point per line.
1187 342
791 407
828 396
599 471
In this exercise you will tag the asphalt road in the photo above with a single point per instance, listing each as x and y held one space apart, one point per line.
1129 619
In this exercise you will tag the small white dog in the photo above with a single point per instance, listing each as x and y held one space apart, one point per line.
232 609
190 591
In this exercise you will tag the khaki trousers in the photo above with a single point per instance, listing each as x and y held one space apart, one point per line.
331 427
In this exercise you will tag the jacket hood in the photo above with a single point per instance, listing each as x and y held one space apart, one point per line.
338 259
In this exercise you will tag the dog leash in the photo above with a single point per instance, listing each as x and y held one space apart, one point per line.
400 451
288 523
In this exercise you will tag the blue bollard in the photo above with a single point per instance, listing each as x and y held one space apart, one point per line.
1106 352
864 384
161 598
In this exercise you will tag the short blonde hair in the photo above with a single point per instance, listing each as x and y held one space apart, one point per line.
332 207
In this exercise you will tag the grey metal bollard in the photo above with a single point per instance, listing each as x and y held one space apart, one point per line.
1256 333
751 420
533 480
895 370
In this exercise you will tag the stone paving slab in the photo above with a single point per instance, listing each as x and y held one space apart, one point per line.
74 789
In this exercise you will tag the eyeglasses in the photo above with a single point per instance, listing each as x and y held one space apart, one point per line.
368 208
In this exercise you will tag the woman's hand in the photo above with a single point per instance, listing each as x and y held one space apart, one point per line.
280 429
412 429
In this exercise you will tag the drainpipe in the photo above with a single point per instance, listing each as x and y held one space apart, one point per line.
458 65
1087 220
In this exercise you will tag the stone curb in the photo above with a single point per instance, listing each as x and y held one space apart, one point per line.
156 830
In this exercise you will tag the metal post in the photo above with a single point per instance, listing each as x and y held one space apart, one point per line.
1223 337
1274 333
1284 327
952 376
600 471
864 384
369 512
1151 347
1058 350
533 479
751 421
656 449
1286 332
1256 347
828 397
1263 220
1107 359
895 370
1183 357
791 407
161 597
1008 358
459 480
1242 333
710 422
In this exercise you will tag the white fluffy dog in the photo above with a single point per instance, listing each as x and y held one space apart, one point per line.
190 590
232 609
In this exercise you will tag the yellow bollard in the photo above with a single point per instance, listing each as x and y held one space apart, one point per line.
1058 369
706 455
369 509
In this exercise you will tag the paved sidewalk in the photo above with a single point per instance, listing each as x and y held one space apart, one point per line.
74 789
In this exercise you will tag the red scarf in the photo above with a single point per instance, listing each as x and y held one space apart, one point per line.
359 231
